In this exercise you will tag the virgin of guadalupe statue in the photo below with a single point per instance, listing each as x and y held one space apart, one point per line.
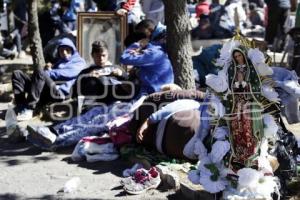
237 156
243 111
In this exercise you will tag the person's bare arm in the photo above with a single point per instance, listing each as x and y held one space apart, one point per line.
141 130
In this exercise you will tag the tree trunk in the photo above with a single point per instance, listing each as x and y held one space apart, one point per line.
179 43
34 35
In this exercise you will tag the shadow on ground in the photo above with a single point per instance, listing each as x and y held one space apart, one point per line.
115 167
17 149
9 196
10 150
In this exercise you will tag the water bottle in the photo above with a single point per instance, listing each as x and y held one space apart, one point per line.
71 185
10 121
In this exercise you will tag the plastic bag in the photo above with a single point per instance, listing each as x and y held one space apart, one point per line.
10 120
71 185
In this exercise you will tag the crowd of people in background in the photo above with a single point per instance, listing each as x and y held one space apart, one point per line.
210 19
255 19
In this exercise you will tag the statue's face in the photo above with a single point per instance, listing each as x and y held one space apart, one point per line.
239 58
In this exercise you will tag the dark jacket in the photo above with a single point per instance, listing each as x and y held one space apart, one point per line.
278 3
111 5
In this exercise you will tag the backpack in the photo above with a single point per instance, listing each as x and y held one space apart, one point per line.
286 152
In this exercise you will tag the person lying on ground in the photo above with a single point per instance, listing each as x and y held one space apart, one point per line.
100 79
168 129
95 122
53 83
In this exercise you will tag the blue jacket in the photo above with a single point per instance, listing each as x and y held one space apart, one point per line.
155 68
67 70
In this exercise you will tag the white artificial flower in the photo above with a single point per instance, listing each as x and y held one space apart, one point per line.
221 132
210 185
263 69
256 56
258 60
266 187
270 126
200 149
218 82
201 165
264 164
218 107
264 146
231 193
270 93
225 53
194 176
219 150
224 76
254 183
248 178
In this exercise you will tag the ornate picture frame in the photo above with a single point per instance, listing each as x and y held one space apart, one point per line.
102 25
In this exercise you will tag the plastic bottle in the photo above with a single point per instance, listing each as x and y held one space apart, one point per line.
10 120
71 185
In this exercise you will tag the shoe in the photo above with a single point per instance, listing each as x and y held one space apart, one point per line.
131 171
41 137
18 135
14 53
21 54
142 181
137 176
25 115
12 56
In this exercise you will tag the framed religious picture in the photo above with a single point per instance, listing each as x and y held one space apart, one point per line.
106 26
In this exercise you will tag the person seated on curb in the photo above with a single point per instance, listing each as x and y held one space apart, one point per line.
153 64
100 79
53 83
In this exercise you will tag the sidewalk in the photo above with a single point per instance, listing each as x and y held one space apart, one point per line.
27 60
29 173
